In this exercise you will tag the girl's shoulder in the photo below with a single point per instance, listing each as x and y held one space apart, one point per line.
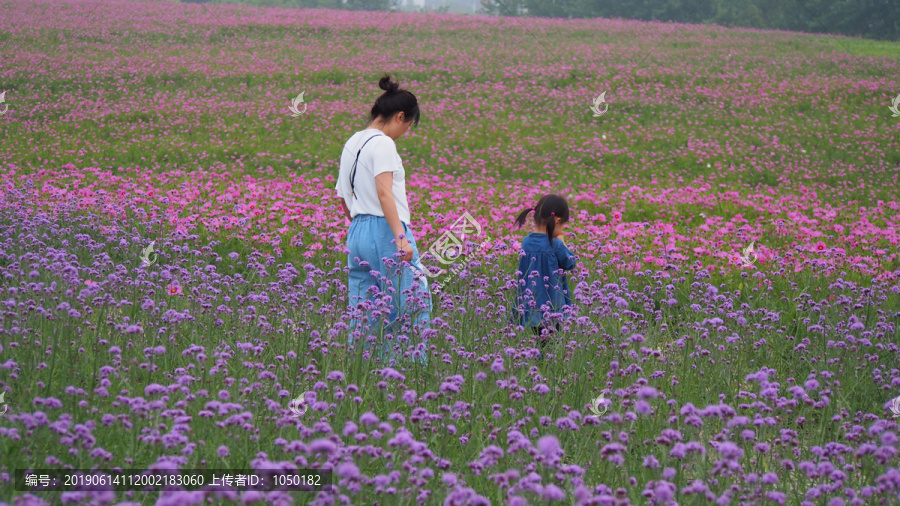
558 244
537 243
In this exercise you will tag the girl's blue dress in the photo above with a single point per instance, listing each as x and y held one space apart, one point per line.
544 285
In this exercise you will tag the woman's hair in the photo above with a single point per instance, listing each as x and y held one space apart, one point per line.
547 209
395 100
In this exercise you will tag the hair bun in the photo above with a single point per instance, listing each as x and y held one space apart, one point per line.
387 85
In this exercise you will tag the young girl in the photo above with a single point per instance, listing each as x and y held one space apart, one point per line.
542 287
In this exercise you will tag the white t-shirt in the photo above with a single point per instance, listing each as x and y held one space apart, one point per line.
381 155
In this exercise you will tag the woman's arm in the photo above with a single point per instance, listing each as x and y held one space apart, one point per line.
346 210
384 182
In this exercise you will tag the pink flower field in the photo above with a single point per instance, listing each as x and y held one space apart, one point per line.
727 375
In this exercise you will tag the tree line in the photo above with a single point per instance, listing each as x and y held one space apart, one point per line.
873 19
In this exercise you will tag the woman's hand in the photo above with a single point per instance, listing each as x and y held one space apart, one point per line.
407 250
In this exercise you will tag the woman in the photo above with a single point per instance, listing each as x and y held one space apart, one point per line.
383 258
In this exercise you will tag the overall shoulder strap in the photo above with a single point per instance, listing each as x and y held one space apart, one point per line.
353 170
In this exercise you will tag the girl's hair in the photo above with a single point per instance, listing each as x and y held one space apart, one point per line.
547 209
395 100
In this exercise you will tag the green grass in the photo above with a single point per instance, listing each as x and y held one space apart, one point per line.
701 377
287 78
560 81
